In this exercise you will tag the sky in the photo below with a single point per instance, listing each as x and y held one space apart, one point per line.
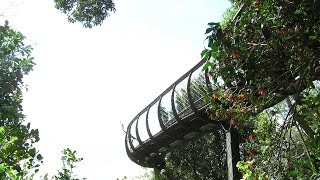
88 80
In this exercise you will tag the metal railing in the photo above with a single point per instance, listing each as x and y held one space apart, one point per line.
183 98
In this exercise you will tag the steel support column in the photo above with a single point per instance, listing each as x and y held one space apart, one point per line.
233 153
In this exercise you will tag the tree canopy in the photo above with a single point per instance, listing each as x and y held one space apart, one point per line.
265 64
17 152
88 12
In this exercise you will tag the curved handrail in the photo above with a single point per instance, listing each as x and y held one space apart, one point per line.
164 125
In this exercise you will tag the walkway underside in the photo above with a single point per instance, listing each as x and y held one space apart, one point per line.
151 153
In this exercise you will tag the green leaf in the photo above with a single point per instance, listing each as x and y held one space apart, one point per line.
312 37
204 52
210 41
293 173
32 152
37 138
208 30
39 157
208 64
17 168
214 46
214 54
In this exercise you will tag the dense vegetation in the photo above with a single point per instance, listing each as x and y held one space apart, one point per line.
203 158
265 66
17 153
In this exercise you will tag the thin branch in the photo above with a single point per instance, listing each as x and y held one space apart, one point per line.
304 144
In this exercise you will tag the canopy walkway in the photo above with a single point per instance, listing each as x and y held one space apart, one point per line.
174 116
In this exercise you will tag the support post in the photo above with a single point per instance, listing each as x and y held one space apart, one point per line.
233 153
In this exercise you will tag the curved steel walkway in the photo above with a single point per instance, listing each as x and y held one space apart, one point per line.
176 116
172 118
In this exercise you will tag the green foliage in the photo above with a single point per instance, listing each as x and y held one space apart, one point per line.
228 15
278 149
267 53
204 158
88 12
145 176
69 161
17 153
